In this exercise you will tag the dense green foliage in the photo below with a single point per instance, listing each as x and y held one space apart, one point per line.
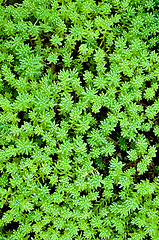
79 114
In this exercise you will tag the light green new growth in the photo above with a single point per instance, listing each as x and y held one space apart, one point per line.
79 114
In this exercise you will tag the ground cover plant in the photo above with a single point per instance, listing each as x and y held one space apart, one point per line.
79 114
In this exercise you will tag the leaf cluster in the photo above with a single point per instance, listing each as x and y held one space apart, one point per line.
79 88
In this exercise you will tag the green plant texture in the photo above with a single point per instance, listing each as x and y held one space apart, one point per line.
79 120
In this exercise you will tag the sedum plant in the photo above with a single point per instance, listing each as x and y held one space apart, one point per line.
79 120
